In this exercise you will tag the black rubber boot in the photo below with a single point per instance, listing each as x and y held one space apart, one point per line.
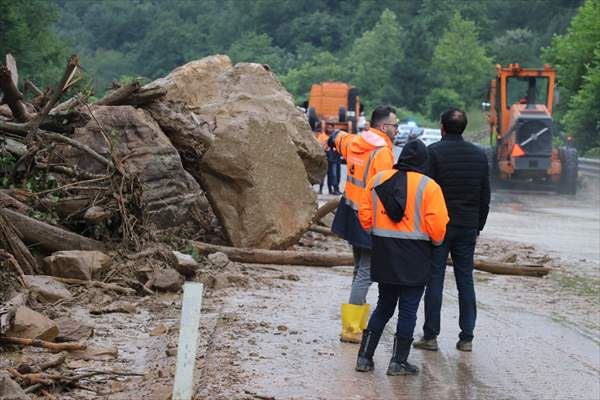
399 364
370 340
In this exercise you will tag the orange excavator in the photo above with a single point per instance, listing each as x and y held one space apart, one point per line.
523 133
337 101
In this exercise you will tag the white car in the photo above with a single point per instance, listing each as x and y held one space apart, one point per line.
430 136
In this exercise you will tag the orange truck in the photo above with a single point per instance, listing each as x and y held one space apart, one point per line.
523 133
334 100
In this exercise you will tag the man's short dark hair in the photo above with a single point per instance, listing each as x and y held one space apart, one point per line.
454 121
380 114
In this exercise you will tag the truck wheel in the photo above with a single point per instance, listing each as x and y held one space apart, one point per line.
342 114
490 153
569 166
312 117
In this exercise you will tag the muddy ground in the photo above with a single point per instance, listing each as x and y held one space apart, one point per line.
271 332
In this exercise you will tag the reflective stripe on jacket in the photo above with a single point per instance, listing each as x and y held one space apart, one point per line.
365 154
402 251
425 216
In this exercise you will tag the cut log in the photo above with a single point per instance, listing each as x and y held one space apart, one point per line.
66 121
277 257
119 96
48 236
502 268
11 64
326 208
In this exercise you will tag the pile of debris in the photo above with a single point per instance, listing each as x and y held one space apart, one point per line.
98 194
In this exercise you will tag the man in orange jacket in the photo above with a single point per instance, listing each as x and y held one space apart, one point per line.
365 154
406 214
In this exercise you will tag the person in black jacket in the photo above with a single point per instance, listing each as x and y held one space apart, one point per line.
461 169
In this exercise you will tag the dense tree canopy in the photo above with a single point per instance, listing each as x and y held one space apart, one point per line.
576 55
398 51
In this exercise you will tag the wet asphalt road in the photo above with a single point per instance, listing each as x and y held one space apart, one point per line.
517 354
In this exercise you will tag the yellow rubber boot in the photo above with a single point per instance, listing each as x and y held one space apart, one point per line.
353 319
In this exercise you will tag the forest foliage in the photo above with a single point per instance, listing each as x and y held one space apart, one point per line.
414 54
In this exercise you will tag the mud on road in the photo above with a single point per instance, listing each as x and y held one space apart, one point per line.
271 332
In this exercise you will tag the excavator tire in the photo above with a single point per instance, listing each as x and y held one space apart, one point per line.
569 166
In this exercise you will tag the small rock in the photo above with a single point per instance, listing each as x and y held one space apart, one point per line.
70 330
96 214
218 259
10 390
46 289
166 279
253 354
171 351
184 264
159 330
76 264
282 328
30 324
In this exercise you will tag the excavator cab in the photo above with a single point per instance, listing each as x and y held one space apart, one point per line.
522 130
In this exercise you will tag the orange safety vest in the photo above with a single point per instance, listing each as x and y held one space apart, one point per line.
425 216
365 154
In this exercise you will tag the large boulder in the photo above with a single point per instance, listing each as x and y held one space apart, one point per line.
240 135
170 196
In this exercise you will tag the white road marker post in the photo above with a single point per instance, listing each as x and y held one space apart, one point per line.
188 341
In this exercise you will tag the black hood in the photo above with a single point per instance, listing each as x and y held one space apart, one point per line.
413 157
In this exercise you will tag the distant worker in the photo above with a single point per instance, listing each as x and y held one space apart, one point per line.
322 139
406 214
461 169
334 160
365 154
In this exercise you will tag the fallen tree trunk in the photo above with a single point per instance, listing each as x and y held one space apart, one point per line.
12 96
118 96
503 268
320 259
11 240
278 257
326 208
48 236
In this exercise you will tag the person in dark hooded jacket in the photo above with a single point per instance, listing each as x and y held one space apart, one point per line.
406 215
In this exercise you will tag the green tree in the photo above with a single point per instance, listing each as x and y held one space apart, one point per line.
321 67
439 100
576 56
25 31
253 47
460 62
516 46
373 59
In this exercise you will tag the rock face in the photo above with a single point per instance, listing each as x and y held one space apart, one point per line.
76 264
241 136
30 324
170 196
46 289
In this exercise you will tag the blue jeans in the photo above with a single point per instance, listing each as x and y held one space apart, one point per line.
361 276
460 243
333 176
407 298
